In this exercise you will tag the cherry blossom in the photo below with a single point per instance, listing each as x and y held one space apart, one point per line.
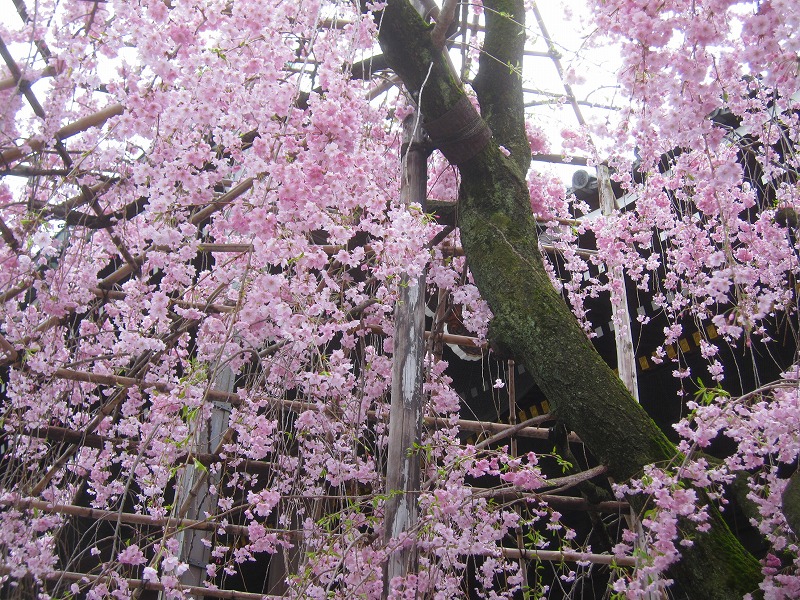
227 245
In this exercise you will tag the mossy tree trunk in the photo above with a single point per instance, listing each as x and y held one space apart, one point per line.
531 320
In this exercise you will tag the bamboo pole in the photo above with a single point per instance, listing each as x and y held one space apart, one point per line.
210 308
448 338
49 71
225 199
459 251
62 210
575 503
92 440
513 448
175 524
225 247
561 159
15 291
540 555
168 523
203 306
96 119
560 483
567 556
86 122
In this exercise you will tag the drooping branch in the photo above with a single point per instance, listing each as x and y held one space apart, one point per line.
481 427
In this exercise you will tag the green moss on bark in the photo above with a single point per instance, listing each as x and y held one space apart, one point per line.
717 567
406 43
533 322
790 502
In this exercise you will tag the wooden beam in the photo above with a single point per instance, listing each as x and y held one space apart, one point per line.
135 584
567 556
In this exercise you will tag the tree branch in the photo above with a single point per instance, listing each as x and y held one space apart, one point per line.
499 80
443 21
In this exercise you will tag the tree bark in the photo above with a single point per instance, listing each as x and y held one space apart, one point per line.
531 320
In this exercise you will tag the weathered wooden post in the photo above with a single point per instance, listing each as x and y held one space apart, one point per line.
405 420
619 305
193 490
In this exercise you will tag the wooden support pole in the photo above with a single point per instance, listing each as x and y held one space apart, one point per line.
405 420
513 447
626 358
626 364
193 550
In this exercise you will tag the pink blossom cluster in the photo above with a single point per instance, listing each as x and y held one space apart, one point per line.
712 89
235 227
253 243
719 243
765 427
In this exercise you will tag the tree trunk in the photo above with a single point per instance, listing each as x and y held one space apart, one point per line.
531 320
